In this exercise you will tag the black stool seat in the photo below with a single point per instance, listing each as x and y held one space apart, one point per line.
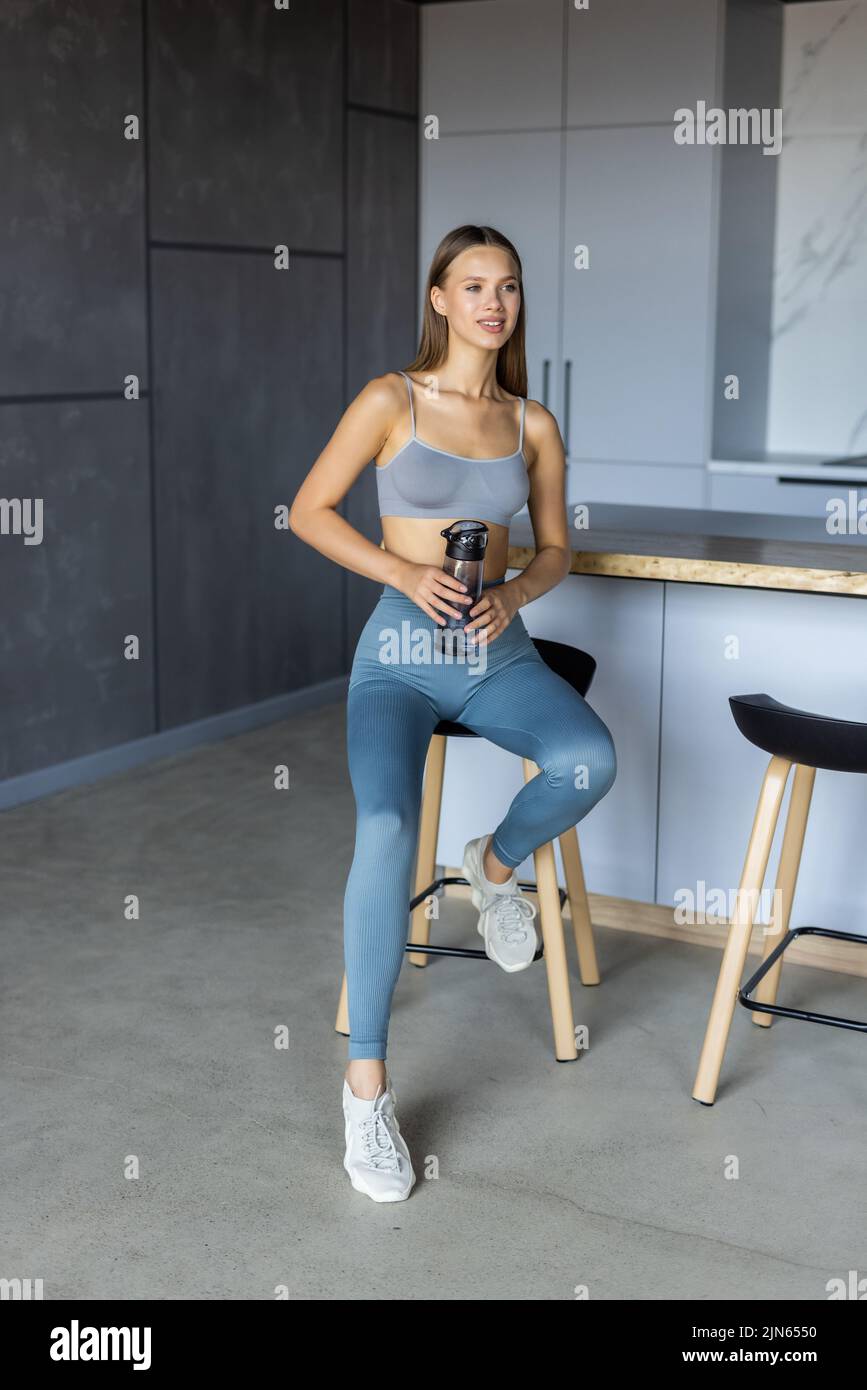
575 666
815 740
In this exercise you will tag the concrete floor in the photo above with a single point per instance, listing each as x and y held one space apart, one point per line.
155 1038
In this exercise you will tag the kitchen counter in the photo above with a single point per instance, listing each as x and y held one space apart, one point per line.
729 603
696 546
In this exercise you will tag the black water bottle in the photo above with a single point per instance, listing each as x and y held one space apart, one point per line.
465 559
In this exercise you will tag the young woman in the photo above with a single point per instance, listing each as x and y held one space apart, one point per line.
452 438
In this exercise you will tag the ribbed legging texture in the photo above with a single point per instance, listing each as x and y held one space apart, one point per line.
518 703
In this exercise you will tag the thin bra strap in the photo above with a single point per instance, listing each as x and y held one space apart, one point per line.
411 406
523 412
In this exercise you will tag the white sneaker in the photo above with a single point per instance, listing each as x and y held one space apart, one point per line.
505 915
377 1158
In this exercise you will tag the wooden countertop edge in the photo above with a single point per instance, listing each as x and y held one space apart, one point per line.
697 571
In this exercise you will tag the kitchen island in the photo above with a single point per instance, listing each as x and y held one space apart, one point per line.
688 545
681 609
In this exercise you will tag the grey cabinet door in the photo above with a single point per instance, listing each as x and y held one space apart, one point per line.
246 123
382 54
638 321
807 650
511 182
69 601
493 65
631 61
247 392
72 234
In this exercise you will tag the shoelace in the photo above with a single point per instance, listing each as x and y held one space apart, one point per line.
511 911
377 1144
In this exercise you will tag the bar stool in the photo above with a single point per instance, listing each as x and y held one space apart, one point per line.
809 741
578 668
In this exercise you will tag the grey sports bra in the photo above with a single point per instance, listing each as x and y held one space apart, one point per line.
421 481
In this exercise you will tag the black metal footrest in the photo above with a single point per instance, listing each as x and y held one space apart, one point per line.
467 952
808 1014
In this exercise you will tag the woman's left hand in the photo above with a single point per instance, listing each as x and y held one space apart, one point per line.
493 612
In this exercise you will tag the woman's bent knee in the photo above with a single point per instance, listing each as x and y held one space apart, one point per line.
587 767
604 770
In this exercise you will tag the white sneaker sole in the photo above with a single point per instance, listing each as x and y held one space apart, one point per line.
360 1186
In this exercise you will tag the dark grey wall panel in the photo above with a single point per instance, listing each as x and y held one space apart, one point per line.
747 222
247 122
381 288
68 603
72 248
383 54
247 387
244 116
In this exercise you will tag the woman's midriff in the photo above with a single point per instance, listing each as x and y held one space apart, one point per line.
418 540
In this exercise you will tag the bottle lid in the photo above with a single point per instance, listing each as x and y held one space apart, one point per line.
466 540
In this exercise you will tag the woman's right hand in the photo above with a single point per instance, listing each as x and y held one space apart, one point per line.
432 589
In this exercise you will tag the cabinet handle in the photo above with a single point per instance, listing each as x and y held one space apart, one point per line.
546 377
821 482
567 403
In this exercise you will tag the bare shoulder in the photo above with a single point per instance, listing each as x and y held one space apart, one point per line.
541 429
385 394
379 406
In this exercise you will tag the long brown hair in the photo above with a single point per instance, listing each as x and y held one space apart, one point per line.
434 340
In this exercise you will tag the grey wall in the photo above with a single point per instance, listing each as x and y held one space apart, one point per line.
747 211
154 257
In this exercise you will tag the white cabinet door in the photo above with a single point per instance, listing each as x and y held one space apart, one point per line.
492 65
806 650
619 621
638 327
636 484
511 182
635 61
752 492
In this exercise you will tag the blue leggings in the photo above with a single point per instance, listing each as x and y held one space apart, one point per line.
398 691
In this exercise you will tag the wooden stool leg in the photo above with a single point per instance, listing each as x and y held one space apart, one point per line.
787 878
341 1023
429 829
553 936
579 907
735 953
